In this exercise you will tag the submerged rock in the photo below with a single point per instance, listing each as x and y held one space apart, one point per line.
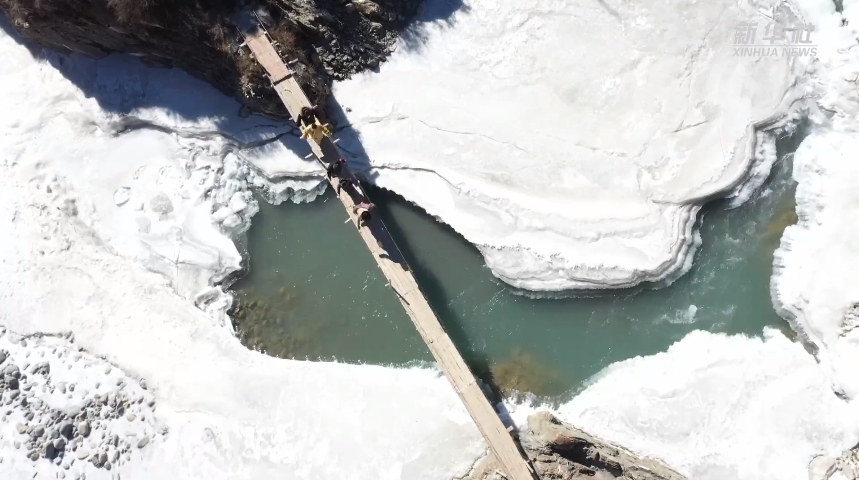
559 451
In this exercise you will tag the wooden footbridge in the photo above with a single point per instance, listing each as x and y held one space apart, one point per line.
386 253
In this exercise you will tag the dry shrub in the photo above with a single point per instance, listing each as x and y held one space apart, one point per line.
18 14
285 41
128 11
220 35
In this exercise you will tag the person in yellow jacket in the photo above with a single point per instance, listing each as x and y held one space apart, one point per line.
311 127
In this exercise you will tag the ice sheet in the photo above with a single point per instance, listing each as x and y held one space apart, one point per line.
730 407
572 141
816 280
74 257
721 407
78 254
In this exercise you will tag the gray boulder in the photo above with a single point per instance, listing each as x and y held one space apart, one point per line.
83 428
67 429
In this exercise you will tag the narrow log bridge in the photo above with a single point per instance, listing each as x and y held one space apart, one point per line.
387 255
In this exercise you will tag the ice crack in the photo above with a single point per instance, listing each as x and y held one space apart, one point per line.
487 137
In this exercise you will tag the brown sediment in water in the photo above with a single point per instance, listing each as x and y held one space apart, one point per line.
772 233
521 372
771 239
776 227
270 324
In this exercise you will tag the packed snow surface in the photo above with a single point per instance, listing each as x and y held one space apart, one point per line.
816 281
572 141
717 407
73 259
109 225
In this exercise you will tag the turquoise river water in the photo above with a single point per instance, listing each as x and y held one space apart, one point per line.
312 291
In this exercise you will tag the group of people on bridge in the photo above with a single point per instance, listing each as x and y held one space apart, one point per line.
347 182
313 126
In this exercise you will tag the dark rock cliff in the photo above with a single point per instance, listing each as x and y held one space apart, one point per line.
331 39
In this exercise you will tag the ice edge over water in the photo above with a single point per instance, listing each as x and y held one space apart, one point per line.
761 141
84 208
815 284
713 406
612 218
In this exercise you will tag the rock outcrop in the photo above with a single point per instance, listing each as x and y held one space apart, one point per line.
329 39
824 467
559 451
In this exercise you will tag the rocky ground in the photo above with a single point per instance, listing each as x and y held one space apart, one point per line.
846 466
64 412
331 39
559 451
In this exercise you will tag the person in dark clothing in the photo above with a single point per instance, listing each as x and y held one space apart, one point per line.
343 184
363 218
306 116
334 169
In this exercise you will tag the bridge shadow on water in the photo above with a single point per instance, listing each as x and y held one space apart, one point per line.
438 294
122 84
485 316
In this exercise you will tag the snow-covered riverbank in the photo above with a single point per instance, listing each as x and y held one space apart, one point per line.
85 214
816 278
87 217
572 142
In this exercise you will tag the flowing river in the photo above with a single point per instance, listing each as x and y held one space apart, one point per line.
313 292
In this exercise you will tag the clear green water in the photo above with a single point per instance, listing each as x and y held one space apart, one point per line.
313 291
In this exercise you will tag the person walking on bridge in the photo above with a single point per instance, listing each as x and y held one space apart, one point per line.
362 210
310 126
343 184
336 168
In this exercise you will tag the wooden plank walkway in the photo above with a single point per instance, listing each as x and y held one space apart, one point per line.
396 270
